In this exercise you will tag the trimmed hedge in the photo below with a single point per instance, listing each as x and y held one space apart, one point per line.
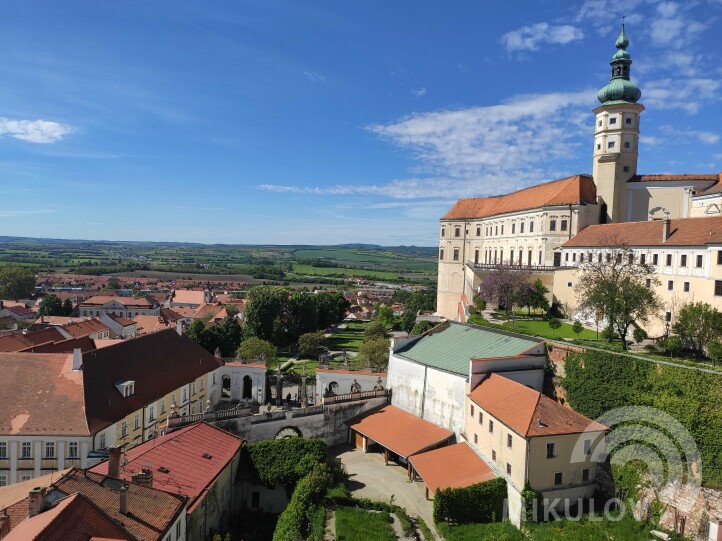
532 501
284 462
483 502
292 523
597 382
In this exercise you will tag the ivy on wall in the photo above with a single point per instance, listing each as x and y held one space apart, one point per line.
483 502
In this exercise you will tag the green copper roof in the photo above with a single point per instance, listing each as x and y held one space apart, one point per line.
452 348
620 89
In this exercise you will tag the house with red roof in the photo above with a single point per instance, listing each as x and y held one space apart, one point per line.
198 462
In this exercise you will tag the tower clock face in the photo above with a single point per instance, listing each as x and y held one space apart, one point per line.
288 432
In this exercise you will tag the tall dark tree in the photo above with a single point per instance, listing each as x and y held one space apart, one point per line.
502 286
67 307
301 315
414 302
16 282
50 305
331 308
264 314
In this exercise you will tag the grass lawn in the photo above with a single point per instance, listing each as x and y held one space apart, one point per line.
354 524
349 338
585 529
540 328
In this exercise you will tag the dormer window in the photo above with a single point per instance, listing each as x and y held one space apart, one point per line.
125 387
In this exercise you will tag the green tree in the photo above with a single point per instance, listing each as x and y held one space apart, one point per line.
422 326
672 343
374 352
16 282
254 347
331 308
50 305
67 307
232 310
639 335
420 300
577 327
617 286
264 314
113 283
310 343
714 351
698 324
385 315
301 315
554 323
502 286
539 300
375 329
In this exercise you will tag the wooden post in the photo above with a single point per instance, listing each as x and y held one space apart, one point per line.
427 493
386 456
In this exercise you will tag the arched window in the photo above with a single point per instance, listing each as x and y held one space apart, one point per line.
226 386
247 387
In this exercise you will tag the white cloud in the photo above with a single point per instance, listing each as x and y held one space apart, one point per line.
528 38
672 27
479 150
705 137
314 76
34 131
688 94
419 92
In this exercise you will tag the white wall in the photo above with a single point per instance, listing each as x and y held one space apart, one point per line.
345 379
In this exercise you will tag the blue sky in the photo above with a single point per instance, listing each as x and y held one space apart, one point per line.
326 122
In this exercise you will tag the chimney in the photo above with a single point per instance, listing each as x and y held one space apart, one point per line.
123 493
77 359
144 477
4 524
36 499
114 461
665 228
179 327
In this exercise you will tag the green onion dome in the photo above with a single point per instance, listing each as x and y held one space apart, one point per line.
620 89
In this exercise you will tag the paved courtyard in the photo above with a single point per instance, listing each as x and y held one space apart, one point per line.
370 478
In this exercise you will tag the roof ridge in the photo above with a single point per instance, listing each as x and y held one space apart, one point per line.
536 405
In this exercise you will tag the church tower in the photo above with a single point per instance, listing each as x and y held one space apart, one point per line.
616 136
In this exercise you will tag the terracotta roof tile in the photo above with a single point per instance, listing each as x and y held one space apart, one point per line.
182 454
159 363
683 232
400 432
579 189
123 321
15 341
41 395
84 343
188 296
453 466
520 408
653 178
74 518
44 336
128 302
85 327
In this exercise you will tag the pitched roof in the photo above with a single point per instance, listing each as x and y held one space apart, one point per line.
399 431
693 176
151 512
41 394
128 302
84 343
122 321
159 363
522 409
17 492
85 328
683 232
579 189
182 453
15 341
453 466
149 324
188 296
51 334
74 518
452 346
20 310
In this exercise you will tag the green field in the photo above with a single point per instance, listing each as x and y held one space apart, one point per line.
353 524
308 270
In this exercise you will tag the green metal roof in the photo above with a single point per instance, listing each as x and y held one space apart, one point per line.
620 89
452 348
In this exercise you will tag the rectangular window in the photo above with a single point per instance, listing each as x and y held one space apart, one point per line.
629 121
531 227
574 256
502 229
683 260
585 475
700 259
26 450
648 283
551 450
668 316
513 228
25 476
587 447
177 530
456 258
557 259
101 442
162 406
491 426
626 145
564 225
201 384
481 418
669 260
496 230
49 449
670 285
478 231
73 449
719 257
655 259
493 455
610 144
630 259
3 480
558 478
521 227
581 258
151 413
686 287
626 167
476 438
123 429
457 232
441 254
552 225
508 468
193 388
508 441
718 288
472 410
136 422
612 120
443 231
3 450
643 259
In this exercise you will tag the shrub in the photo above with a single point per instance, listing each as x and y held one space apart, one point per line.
554 324
577 327
639 335
292 522
284 462
483 502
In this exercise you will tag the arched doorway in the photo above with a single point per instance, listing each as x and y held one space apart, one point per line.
247 387
226 387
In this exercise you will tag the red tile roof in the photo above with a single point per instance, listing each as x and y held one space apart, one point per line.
579 189
84 343
85 327
182 454
653 178
453 466
683 232
128 302
41 394
159 363
523 409
123 321
51 334
15 341
74 518
400 432
151 512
